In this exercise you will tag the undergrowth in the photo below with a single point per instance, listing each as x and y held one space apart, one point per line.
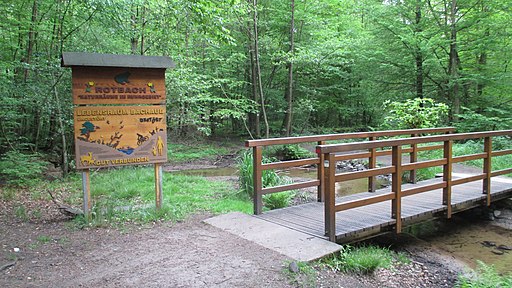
363 259
269 179
485 276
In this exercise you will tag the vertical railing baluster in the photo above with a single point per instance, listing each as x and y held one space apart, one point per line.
330 197
413 157
320 175
447 177
372 163
257 182
396 187
487 169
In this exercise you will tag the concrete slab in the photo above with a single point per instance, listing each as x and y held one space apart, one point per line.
294 244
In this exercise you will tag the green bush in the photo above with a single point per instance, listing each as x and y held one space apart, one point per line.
20 169
289 152
365 259
269 178
484 277
471 121
277 200
414 113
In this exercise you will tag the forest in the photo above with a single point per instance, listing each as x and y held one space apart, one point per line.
262 68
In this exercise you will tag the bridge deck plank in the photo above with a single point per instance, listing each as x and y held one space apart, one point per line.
309 218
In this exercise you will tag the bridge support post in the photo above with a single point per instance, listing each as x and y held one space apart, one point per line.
413 157
321 175
487 169
330 197
257 184
396 187
447 178
372 163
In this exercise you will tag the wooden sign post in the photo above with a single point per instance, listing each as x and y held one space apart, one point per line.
119 114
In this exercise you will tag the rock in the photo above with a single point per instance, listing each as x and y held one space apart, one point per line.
16 249
488 243
504 247
496 213
498 252
293 267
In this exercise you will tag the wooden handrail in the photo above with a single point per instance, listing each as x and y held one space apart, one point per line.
343 136
396 169
345 147
258 167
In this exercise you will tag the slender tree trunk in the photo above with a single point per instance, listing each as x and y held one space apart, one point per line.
258 70
254 118
454 63
134 40
31 39
287 123
62 128
419 55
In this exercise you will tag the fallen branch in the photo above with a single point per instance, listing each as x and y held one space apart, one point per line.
8 265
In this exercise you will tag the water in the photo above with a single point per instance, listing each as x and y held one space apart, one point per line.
463 238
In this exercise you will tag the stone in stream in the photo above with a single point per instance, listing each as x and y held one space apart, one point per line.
504 247
487 243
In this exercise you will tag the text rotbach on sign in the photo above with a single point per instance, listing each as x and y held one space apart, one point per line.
112 85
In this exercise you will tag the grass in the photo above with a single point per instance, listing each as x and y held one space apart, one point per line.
127 195
184 153
474 147
305 275
484 277
364 259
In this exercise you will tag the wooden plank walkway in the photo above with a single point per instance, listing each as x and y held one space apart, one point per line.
371 220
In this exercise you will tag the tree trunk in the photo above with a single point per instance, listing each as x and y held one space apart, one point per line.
258 70
419 55
287 123
31 39
454 63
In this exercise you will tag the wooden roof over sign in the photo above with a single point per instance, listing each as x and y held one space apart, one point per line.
113 60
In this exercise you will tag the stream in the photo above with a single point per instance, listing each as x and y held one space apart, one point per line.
466 238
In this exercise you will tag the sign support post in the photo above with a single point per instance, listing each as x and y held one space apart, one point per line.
86 187
158 186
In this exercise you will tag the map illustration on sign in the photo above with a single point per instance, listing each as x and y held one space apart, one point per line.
120 135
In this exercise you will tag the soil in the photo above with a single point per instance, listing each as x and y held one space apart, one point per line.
47 252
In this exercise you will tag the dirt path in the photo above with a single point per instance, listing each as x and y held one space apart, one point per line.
188 254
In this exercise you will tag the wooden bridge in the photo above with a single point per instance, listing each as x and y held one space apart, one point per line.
367 214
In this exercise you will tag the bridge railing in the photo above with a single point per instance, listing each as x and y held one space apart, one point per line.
329 153
371 154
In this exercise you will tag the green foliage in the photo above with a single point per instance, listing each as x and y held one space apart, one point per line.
471 121
288 152
304 277
269 178
278 200
21 169
484 277
21 212
474 147
185 153
364 259
414 113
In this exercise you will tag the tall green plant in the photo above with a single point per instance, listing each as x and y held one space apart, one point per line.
269 178
414 113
